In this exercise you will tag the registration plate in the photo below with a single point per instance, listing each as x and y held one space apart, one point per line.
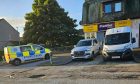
115 57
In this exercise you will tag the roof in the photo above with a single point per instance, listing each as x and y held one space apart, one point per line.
1 19
9 24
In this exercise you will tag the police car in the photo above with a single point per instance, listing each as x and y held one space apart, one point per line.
19 54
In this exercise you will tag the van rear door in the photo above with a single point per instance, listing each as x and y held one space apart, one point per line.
6 54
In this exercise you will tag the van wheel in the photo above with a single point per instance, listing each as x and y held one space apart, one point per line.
17 62
47 56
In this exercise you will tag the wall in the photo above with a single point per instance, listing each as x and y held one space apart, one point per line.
7 32
133 8
135 30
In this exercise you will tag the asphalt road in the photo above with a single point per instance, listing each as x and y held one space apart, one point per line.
66 71
65 59
57 59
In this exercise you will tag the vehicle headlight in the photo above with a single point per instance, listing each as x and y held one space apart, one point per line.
72 52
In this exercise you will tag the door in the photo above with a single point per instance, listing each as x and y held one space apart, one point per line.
39 51
6 54
26 52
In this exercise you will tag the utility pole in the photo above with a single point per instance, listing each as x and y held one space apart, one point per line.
19 36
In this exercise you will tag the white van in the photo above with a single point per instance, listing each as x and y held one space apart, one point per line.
118 43
85 49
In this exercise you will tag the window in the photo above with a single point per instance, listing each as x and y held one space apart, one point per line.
25 48
116 39
118 6
84 43
112 7
107 8
36 47
15 49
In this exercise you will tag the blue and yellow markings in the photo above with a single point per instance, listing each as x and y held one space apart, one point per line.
30 53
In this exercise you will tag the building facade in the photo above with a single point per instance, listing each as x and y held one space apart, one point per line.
100 15
8 35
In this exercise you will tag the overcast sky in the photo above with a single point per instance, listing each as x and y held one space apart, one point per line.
14 11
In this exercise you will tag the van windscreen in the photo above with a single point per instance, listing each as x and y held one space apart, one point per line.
116 39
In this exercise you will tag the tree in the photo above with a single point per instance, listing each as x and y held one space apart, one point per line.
49 24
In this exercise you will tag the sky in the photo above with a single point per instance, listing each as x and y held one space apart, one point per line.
14 11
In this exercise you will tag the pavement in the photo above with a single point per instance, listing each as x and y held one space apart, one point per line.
68 81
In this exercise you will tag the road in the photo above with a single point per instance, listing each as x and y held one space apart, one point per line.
59 59
65 59
65 71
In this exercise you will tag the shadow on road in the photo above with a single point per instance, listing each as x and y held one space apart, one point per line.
118 61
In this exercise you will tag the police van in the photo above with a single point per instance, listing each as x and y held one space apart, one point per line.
19 54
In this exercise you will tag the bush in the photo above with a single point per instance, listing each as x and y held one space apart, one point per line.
1 54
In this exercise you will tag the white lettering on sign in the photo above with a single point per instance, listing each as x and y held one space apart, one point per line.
106 25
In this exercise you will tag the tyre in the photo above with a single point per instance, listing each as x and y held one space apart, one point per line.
47 56
17 62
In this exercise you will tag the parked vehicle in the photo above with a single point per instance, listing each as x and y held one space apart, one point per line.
18 54
118 43
85 49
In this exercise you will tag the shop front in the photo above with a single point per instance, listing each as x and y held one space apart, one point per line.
98 30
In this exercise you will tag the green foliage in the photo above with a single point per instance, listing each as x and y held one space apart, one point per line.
49 24
1 54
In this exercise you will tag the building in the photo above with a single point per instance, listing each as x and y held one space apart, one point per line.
100 15
8 35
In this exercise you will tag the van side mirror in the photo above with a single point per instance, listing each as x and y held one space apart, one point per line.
133 40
